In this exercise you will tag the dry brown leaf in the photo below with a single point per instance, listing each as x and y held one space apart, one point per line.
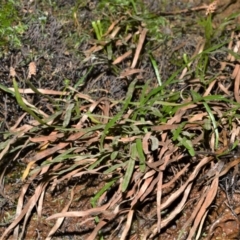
235 71
179 191
149 189
196 210
211 193
129 72
96 230
32 70
106 111
209 89
159 198
41 198
236 86
176 177
228 166
165 127
33 202
26 212
122 57
114 33
12 72
145 143
143 188
224 89
43 91
235 132
197 117
60 220
124 139
21 202
51 137
136 180
139 47
85 116
112 26
153 231
128 225
19 120
94 211
48 152
164 148
167 158
124 41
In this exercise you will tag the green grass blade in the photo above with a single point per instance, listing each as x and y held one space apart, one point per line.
68 115
214 123
23 105
95 164
128 174
111 123
114 167
130 167
155 67
105 188
113 155
4 88
187 144
142 163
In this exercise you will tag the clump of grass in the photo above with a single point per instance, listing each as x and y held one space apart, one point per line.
11 26
143 150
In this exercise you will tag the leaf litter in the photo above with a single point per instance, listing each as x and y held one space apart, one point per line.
151 155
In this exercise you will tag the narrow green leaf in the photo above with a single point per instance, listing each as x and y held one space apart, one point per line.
196 96
97 30
187 144
61 157
105 188
4 88
155 67
117 117
114 167
128 174
214 123
23 105
130 167
178 131
68 114
3 144
95 164
134 152
216 98
142 163
114 155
